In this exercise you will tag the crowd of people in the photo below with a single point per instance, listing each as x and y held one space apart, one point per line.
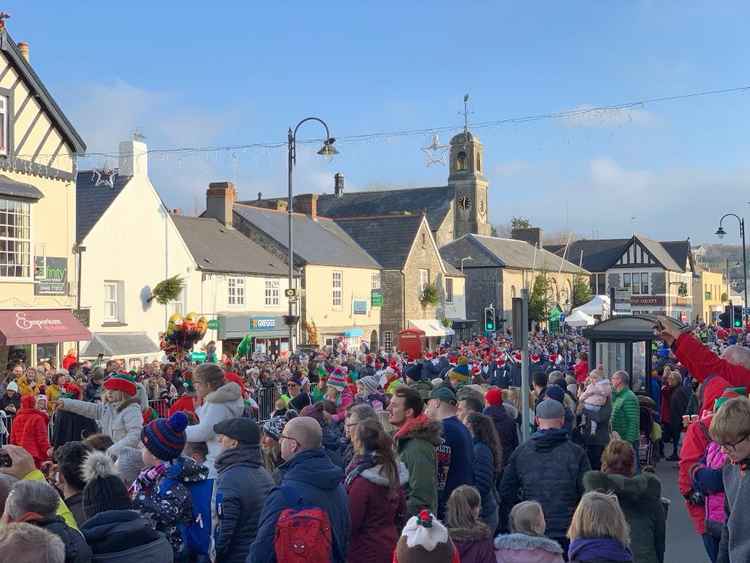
370 457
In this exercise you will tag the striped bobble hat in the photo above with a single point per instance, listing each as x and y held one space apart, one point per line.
165 437
337 379
121 382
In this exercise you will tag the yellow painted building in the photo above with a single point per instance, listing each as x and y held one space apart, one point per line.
708 290
37 215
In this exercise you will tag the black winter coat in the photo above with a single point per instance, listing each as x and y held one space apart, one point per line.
678 403
241 488
71 427
124 536
76 548
506 428
549 469
484 480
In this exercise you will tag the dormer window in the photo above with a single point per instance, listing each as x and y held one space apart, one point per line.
461 161
4 125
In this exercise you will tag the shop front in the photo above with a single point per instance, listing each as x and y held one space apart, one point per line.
434 330
268 333
32 336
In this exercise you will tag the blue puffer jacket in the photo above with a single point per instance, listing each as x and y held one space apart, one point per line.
311 478
484 481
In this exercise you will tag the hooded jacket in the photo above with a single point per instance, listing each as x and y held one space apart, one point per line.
506 428
76 548
224 403
124 536
377 515
122 422
520 548
549 469
309 479
30 430
415 442
241 489
474 545
640 500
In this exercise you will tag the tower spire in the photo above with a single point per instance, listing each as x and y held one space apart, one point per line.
466 113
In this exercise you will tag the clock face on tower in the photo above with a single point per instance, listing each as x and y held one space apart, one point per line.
464 202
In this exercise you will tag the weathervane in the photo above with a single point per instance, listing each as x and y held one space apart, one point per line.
434 153
104 176
3 16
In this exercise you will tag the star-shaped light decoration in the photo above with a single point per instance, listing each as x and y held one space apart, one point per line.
435 153
104 176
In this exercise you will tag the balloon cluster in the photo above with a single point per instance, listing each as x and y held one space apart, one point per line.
183 333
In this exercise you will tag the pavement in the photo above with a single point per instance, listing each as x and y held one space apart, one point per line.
684 545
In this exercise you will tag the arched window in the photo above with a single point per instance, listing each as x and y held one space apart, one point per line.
461 161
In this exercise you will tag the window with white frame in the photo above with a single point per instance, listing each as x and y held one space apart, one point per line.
272 293
4 125
15 239
375 280
112 296
337 286
424 279
236 291
449 290
179 305
388 340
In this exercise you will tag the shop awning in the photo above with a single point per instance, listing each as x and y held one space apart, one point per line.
40 326
119 344
353 332
432 327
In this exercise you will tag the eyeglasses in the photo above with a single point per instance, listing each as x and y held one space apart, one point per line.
350 424
282 437
733 447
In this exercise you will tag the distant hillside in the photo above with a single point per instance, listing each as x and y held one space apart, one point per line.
715 257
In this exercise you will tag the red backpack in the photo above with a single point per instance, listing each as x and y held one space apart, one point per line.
302 535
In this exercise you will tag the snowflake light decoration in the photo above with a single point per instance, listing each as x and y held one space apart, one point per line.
435 153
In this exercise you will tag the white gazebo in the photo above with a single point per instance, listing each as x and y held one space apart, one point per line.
578 319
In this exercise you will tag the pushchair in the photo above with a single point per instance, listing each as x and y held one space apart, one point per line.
648 440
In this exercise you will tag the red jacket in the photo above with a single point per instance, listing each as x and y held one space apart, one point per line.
377 517
702 363
30 430
69 361
581 371
694 445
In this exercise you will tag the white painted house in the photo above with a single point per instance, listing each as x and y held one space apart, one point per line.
131 241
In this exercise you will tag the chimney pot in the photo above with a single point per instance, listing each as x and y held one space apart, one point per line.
307 204
220 198
532 235
260 196
338 184
24 48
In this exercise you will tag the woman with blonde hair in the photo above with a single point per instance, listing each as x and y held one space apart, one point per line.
526 542
599 532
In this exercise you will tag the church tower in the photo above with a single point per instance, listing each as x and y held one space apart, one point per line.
469 184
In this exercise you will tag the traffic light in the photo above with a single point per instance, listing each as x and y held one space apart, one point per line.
489 319
737 319
725 320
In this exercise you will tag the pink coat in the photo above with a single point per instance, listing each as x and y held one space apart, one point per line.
715 459
520 548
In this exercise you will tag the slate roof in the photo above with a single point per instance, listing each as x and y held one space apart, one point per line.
388 239
216 248
679 250
35 85
14 188
506 253
92 200
436 201
660 253
319 241
593 255
119 344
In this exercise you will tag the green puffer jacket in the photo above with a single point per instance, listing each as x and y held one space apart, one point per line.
626 416
416 441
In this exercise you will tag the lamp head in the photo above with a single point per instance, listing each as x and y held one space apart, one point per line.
328 150
720 232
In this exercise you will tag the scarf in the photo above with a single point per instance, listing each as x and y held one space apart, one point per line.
359 464
411 424
147 479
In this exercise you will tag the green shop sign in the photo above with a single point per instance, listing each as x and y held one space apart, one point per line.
376 298
213 324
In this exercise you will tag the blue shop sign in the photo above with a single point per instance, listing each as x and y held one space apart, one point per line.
359 306
262 323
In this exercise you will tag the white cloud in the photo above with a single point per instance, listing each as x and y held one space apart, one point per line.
586 115
511 168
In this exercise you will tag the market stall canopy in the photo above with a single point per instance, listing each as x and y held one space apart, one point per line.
578 319
40 326
599 305
635 328
432 327
120 344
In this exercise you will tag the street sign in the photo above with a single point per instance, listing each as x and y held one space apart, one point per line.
290 293
376 298
198 357
359 306
213 324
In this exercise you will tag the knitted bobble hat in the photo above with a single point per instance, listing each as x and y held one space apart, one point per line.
165 437
424 540
105 489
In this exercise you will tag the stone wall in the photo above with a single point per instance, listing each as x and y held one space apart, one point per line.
483 286
392 315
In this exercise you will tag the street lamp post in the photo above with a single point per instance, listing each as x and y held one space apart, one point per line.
79 250
327 150
720 232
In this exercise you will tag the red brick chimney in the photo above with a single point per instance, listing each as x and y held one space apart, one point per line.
307 204
220 198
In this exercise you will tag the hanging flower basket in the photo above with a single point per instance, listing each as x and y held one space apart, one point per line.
167 290
429 296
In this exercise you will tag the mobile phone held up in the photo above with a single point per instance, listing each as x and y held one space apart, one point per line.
5 459
658 328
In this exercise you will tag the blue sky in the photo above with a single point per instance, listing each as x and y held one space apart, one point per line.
196 74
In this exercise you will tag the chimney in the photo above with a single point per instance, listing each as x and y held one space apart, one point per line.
260 196
177 211
338 185
307 204
532 235
24 48
220 199
133 158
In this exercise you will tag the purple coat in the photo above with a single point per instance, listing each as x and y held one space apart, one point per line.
474 545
